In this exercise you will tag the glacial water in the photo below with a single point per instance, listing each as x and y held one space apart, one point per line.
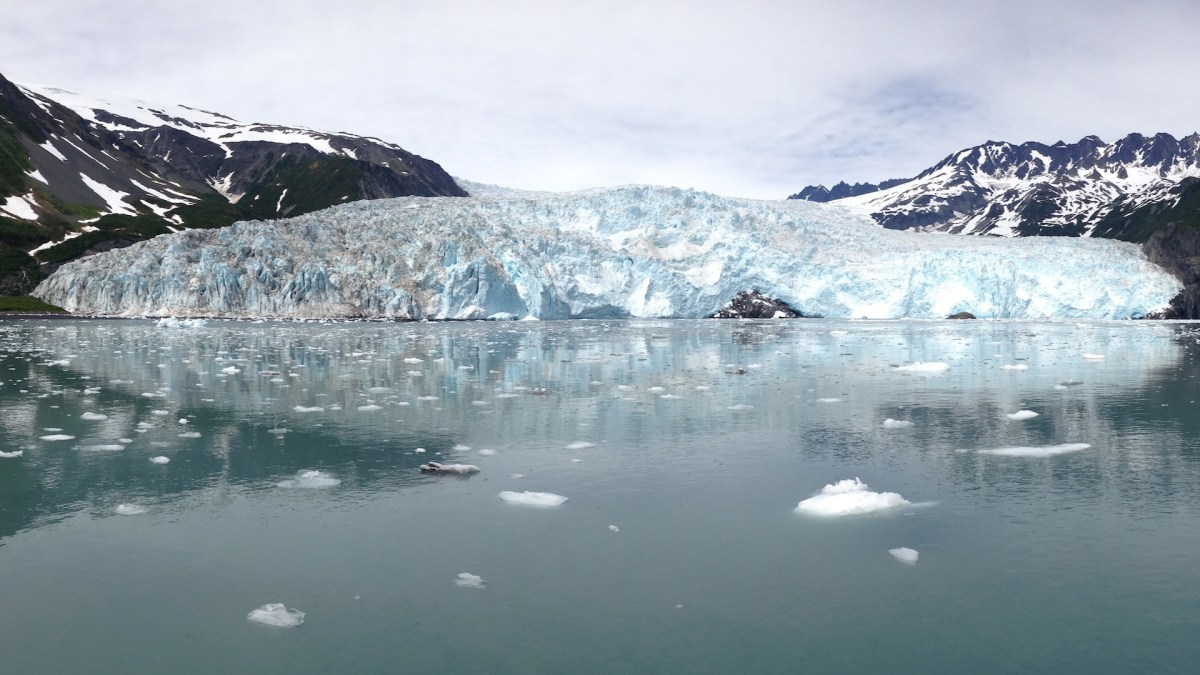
1061 542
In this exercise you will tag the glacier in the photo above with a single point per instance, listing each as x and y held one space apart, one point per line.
633 251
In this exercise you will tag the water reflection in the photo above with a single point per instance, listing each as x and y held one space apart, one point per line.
359 400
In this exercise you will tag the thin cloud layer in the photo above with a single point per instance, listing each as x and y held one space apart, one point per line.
755 100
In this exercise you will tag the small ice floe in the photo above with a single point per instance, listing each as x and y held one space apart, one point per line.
278 431
890 423
309 479
1022 415
130 510
576 461
161 459
1014 366
308 409
93 417
670 397
904 554
579 445
91 391
100 447
738 407
57 437
419 451
1039 451
160 413
438 467
924 367
231 370
613 528
427 398
487 452
52 429
11 455
190 434
379 390
829 400
516 475
459 447
1093 357
1061 387
124 441
370 407
532 498
849 497
414 360
183 420
468 580
275 614
701 387
656 390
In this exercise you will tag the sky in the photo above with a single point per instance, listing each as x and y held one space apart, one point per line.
751 99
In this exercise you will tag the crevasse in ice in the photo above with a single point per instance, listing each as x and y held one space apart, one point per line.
622 252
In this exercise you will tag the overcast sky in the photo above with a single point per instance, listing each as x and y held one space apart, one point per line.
753 99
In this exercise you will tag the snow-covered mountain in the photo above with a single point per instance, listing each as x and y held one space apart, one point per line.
1124 190
624 252
85 172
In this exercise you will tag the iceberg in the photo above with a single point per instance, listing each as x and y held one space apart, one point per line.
633 251
849 497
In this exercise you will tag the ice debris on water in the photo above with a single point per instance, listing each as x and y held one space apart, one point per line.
890 423
468 580
310 479
130 510
829 400
904 554
160 459
93 417
487 452
1039 451
613 528
100 447
738 407
459 447
1015 367
10 455
275 614
1093 357
849 497
578 445
924 367
308 409
190 434
370 407
1022 415
438 467
532 498
57 437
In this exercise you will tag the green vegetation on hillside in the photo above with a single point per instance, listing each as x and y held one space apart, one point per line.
311 184
14 161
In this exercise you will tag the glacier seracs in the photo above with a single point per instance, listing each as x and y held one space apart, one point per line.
632 251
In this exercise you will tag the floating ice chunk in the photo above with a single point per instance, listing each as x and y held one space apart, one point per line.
130 510
487 452
459 447
829 400
183 420
11 455
160 413
371 407
849 497
93 417
101 447
516 475
741 406
1061 387
890 423
613 528
310 479
670 397
1014 366
1093 357
701 387
124 440
579 445
427 398
308 409
656 389
91 391
58 437
468 580
52 429
924 367
190 434
414 360
1022 415
507 395
438 467
1040 451
275 614
419 450
532 498
160 459
380 390
231 370
904 554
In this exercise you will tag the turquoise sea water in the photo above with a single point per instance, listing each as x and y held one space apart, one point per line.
1078 562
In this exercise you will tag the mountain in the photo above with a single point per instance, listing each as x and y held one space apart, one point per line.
623 252
84 173
1124 190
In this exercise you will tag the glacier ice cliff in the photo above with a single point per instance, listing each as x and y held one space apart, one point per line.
622 252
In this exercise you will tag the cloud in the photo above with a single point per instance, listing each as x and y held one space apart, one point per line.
756 99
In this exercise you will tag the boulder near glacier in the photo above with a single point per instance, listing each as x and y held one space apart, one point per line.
623 252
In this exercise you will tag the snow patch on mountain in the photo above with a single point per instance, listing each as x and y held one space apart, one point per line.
624 252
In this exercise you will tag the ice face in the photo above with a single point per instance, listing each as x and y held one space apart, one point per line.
849 497
623 252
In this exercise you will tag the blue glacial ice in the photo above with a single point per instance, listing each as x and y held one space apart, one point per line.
621 252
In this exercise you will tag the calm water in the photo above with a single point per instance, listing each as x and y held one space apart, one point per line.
1083 562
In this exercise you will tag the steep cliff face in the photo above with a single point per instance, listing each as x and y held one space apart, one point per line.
1177 249
625 252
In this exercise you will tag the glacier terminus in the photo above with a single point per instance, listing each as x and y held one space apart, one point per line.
633 251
